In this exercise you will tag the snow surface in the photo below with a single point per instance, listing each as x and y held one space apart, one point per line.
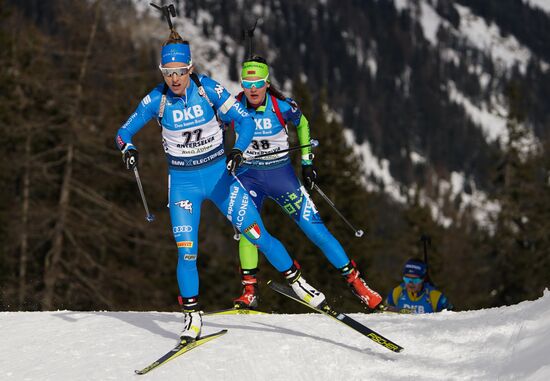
373 166
542 4
505 51
507 343
492 122
485 210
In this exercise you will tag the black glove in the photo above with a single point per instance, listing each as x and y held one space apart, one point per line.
309 176
130 158
234 159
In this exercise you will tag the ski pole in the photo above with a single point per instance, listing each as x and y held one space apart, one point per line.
312 143
426 240
149 217
358 233
237 235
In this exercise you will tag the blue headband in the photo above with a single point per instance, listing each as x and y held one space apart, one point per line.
413 267
175 53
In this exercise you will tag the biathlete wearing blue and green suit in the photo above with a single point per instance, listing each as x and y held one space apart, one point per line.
273 177
193 142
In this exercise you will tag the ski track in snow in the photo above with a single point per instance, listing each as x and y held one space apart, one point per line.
507 343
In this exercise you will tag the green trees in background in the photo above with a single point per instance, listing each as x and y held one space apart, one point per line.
72 228
521 244
69 224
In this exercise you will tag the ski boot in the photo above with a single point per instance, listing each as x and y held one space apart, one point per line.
302 289
192 319
359 287
249 298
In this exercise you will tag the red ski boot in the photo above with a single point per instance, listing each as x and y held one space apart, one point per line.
249 298
359 287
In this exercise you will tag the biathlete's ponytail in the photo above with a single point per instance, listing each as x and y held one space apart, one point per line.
175 38
276 92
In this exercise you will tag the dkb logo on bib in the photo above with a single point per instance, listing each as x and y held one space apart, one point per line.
187 113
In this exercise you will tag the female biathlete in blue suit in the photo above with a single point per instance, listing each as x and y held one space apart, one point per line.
272 176
187 108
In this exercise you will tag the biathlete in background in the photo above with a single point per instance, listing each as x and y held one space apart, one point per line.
273 176
415 294
187 108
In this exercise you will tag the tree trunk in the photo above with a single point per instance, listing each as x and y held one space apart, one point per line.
24 239
53 270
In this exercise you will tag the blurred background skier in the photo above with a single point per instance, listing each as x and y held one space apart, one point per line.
416 294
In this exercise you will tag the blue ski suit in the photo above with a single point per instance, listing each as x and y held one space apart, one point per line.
274 177
429 299
192 139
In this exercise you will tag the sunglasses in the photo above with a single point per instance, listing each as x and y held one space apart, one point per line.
407 279
257 83
170 71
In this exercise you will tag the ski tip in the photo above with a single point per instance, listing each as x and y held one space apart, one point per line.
218 333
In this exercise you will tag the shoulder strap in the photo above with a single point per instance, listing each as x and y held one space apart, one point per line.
277 110
162 104
202 92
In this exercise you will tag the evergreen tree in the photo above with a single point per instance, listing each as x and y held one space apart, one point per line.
520 245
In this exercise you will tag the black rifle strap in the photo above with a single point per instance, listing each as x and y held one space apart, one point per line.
162 104
203 94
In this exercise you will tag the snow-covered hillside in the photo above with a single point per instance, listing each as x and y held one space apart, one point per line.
472 34
507 343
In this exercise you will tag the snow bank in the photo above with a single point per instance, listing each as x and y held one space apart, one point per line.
506 343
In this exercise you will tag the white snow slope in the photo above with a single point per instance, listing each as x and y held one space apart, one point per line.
507 343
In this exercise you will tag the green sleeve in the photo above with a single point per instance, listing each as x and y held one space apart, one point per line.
304 138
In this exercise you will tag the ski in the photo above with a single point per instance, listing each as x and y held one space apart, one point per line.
394 310
180 349
234 311
342 318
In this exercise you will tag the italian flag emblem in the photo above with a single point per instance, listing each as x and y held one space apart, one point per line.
253 231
